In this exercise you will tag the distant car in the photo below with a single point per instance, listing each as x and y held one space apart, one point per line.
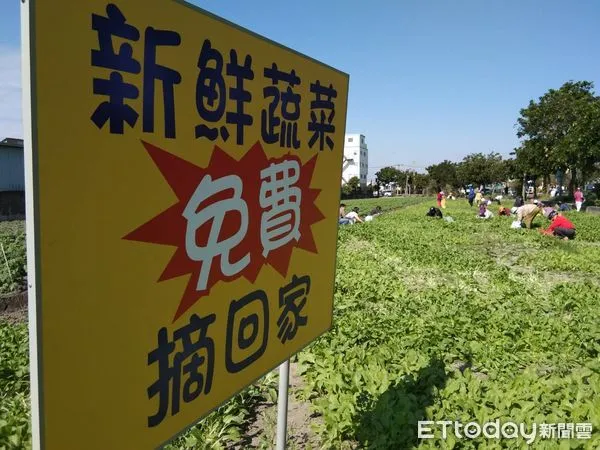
387 194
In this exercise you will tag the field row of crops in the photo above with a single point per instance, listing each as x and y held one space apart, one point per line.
14 358
366 205
469 321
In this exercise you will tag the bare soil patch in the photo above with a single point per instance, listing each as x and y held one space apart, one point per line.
262 431
13 307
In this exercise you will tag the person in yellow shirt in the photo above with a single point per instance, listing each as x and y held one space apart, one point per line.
478 198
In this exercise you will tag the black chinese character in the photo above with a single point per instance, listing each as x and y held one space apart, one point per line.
194 339
169 77
239 94
292 298
290 109
211 95
114 110
246 318
322 126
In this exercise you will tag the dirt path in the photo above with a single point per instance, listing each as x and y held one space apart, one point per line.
13 307
261 433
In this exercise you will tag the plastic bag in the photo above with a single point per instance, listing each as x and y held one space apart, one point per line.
516 224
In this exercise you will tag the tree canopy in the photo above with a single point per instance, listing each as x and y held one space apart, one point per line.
444 173
388 175
352 187
561 131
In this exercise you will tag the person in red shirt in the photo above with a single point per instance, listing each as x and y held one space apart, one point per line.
560 226
440 194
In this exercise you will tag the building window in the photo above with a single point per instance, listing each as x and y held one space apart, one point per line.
350 139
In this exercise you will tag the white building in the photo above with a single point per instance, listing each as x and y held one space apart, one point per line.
356 159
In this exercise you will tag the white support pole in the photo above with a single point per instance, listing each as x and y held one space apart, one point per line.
28 96
282 404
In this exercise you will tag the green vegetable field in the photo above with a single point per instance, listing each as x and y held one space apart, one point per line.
464 321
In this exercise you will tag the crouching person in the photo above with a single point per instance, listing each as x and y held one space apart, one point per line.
353 216
560 226
526 213
484 212
434 212
374 213
503 211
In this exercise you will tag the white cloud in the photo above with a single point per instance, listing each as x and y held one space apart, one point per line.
11 123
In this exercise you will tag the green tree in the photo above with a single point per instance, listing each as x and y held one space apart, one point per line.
388 175
354 185
561 131
420 182
443 174
481 169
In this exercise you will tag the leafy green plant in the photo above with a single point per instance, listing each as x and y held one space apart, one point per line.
469 320
386 203
13 269
15 429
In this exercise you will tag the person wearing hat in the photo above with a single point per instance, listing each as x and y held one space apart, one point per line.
546 211
471 195
434 212
560 226
527 213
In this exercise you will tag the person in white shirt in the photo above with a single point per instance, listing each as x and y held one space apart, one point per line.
374 213
353 216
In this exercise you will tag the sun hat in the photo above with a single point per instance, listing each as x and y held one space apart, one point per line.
547 211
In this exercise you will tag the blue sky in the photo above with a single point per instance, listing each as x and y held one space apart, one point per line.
429 80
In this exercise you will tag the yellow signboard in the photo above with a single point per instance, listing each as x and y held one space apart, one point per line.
183 188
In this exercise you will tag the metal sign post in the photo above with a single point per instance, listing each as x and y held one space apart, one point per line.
282 404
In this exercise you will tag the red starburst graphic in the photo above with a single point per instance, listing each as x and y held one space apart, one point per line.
171 226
